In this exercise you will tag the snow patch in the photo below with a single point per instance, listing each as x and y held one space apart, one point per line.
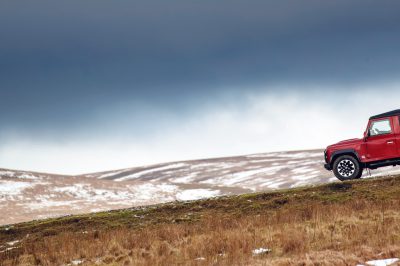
261 251
300 155
195 194
273 184
28 176
185 179
302 170
44 203
243 176
304 177
76 262
87 192
149 171
7 173
153 192
12 188
385 262
110 174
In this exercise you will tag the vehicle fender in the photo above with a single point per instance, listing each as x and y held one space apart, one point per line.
338 153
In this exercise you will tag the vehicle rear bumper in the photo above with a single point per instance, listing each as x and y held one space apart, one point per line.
328 166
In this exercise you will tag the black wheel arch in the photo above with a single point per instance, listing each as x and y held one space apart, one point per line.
349 152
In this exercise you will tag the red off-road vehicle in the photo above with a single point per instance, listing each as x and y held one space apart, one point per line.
379 147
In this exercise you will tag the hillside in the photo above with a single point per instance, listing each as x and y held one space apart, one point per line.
27 195
332 224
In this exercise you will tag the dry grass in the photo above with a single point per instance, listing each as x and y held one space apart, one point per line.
339 224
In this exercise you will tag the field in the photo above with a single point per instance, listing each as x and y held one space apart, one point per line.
333 224
26 196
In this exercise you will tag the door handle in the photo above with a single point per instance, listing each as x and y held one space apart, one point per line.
390 142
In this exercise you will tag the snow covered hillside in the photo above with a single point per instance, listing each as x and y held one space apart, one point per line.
26 195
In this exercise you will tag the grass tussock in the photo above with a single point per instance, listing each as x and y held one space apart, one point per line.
335 224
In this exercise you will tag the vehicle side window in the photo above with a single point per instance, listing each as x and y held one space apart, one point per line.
380 127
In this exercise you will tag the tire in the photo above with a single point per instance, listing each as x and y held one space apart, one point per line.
360 173
347 167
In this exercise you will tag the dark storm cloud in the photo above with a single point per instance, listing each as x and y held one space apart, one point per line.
63 61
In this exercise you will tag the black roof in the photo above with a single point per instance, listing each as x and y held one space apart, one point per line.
388 114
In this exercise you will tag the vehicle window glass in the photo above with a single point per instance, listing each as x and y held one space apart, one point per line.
380 127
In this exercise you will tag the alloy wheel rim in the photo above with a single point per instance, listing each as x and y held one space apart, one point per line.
346 168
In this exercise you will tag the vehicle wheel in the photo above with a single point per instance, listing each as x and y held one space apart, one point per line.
347 168
360 173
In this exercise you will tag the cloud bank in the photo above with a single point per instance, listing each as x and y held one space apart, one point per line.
98 84
259 123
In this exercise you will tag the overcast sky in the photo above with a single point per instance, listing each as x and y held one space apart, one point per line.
97 85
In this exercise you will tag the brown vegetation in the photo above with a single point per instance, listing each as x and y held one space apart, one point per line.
335 224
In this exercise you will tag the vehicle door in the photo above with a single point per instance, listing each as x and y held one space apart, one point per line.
381 142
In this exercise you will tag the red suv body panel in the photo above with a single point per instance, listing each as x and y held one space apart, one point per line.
384 146
376 149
